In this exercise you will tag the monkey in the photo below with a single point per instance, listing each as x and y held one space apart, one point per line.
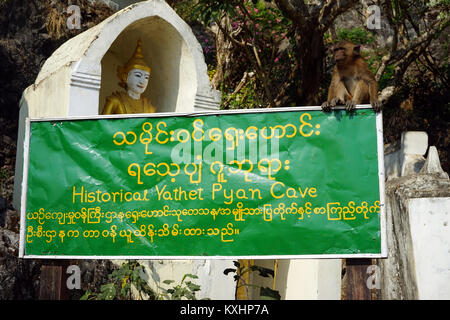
352 82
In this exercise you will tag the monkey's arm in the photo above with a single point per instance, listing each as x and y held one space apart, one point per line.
360 95
365 91
373 91
372 84
337 93
341 94
373 94
326 106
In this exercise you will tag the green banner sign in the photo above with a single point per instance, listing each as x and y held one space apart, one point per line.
259 183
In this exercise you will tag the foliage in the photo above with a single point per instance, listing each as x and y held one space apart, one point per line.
356 35
442 5
386 78
247 96
182 290
258 36
132 275
121 281
240 270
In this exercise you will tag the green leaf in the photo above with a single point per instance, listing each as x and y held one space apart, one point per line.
168 281
189 296
192 286
135 275
108 291
86 295
188 275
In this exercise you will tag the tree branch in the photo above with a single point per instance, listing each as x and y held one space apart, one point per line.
296 10
331 10
404 55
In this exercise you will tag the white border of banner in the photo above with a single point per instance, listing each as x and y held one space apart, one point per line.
381 176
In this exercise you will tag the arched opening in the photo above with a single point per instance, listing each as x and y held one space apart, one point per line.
173 78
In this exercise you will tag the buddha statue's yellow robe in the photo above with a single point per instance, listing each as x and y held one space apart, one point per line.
121 103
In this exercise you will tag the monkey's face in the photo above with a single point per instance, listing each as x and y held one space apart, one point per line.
345 51
339 53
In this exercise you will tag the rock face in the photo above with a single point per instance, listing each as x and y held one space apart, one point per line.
23 45
30 31
19 279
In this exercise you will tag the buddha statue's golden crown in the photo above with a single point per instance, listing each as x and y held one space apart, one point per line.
136 62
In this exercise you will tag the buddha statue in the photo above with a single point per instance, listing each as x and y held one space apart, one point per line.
133 78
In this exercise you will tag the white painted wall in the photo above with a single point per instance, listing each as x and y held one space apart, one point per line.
430 233
313 279
302 279
418 237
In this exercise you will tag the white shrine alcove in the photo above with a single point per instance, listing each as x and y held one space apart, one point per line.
81 73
